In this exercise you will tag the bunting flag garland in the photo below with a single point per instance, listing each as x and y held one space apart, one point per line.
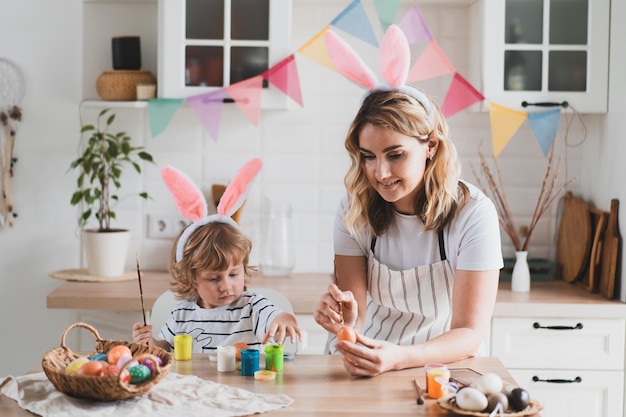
544 126
208 108
353 20
247 95
430 64
414 26
460 95
284 76
160 113
504 123
386 10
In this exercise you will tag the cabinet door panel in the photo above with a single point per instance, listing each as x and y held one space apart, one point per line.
598 394
528 343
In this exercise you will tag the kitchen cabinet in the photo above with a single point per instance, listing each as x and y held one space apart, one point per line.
570 361
546 51
209 44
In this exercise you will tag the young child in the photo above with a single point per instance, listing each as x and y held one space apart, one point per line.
209 266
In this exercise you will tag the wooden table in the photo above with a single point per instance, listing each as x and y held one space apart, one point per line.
320 386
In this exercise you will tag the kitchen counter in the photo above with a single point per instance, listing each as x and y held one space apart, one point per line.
547 298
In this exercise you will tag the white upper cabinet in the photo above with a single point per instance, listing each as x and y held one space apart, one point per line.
205 45
539 51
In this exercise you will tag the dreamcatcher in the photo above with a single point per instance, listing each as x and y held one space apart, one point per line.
11 94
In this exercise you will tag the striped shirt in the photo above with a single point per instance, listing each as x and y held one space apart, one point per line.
244 320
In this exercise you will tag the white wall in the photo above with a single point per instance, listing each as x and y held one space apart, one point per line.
302 149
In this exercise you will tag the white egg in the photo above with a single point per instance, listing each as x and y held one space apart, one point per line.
471 399
488 384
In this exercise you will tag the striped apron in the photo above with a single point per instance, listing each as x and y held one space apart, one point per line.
407 307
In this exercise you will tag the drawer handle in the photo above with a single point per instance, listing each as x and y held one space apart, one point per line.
539 326
558 381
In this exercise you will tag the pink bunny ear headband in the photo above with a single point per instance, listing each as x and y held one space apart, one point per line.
395 57
193 206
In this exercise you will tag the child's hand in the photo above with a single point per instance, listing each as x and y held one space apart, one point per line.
143 334
283 326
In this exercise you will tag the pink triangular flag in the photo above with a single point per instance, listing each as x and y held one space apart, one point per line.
414 26
460 95
208 108
431 63
284 76
247 95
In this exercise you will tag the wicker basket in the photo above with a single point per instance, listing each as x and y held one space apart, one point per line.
121 85
101 388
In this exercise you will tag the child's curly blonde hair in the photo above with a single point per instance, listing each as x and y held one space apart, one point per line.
214 246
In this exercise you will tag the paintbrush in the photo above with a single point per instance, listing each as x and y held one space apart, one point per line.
420 393
143 310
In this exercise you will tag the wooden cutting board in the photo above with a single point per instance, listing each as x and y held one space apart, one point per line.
610 252
591 277
574 239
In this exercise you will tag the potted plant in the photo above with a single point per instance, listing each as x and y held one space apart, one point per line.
103 156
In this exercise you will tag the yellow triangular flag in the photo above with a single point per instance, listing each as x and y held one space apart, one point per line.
504 123
315 49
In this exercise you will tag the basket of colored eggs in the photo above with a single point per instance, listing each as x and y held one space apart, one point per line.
114 370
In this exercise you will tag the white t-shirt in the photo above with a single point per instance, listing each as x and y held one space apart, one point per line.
472 238
244 320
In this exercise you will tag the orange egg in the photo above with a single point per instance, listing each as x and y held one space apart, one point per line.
347 334
117 352
92 368
240 346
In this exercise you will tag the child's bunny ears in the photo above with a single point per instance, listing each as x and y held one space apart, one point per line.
395 57
193 206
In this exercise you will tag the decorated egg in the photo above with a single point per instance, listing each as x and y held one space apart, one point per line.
122 361
100 357
139 374
147 362
117 352
488 384
114 370
73 367
471 399
346 333
92 368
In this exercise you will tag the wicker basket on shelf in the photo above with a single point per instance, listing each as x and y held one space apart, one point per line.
121 85
102 388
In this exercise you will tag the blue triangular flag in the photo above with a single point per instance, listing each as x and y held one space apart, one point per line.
160 113
544 126
354 21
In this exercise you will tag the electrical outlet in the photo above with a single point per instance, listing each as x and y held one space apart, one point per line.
165 227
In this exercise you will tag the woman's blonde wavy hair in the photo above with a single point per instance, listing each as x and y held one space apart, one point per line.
214 246
441 192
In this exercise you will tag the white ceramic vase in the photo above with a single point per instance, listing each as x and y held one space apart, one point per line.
106 252
520 279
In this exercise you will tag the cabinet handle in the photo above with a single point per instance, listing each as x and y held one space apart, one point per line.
558 381
539 326
563 104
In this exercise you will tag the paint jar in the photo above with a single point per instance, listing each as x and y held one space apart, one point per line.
182 347
274 355
249 362
226 358
436 373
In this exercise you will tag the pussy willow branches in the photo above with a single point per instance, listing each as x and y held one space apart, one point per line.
495 190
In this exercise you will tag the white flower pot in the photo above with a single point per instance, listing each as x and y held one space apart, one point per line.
106 252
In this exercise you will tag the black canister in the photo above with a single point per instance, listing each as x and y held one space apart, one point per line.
126 51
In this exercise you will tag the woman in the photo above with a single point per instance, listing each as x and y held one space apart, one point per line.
417 250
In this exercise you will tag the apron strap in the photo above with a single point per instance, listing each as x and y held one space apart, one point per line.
442 248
